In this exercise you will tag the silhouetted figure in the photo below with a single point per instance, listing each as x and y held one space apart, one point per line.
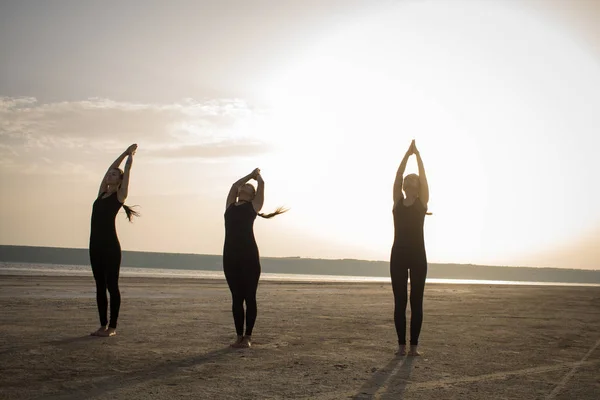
408 251
241 262
105 249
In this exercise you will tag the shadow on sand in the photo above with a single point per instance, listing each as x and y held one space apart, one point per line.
104 387
389 382
34 346
72 340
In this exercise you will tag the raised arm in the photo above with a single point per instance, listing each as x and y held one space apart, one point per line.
232 195
259 198
115 164
400 175
124 188
424 187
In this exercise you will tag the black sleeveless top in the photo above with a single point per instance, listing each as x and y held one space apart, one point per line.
239 230
408 226
104 212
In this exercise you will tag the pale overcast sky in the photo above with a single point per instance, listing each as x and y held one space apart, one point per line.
502 98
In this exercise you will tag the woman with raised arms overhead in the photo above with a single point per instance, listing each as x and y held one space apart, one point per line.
241 262
408 251
105 249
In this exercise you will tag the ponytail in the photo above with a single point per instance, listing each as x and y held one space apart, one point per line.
130 213
279 210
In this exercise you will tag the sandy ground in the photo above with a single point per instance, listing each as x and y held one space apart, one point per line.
311 341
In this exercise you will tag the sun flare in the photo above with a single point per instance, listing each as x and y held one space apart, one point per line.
345 114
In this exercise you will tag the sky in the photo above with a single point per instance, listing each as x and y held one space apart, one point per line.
502 98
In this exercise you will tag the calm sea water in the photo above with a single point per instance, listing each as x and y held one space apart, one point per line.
85 270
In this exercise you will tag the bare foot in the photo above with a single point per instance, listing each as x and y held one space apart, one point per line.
246 342
108 332
99 331
402 350
413 351
237 343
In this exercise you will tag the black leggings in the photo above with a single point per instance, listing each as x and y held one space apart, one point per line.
106 263
243 289
400 268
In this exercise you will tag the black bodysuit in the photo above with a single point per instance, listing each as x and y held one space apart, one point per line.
241 264
408 254
105 256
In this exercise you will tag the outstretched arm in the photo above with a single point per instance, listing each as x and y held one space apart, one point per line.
115 164
123 190
232 195
424 187
259 198
400 175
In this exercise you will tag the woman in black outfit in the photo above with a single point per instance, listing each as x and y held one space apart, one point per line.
105 250
408 252
241 262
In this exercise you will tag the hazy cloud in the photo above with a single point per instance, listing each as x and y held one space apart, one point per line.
48 168
214 150
191 129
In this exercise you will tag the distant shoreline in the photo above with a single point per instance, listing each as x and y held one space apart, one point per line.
158 253
301 266
32 271
279 279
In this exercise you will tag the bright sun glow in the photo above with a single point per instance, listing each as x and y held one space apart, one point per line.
505 126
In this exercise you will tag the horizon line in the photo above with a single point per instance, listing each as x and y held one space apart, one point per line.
316 259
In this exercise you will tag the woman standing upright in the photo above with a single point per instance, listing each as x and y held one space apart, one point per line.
105 249
241 262
408 251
